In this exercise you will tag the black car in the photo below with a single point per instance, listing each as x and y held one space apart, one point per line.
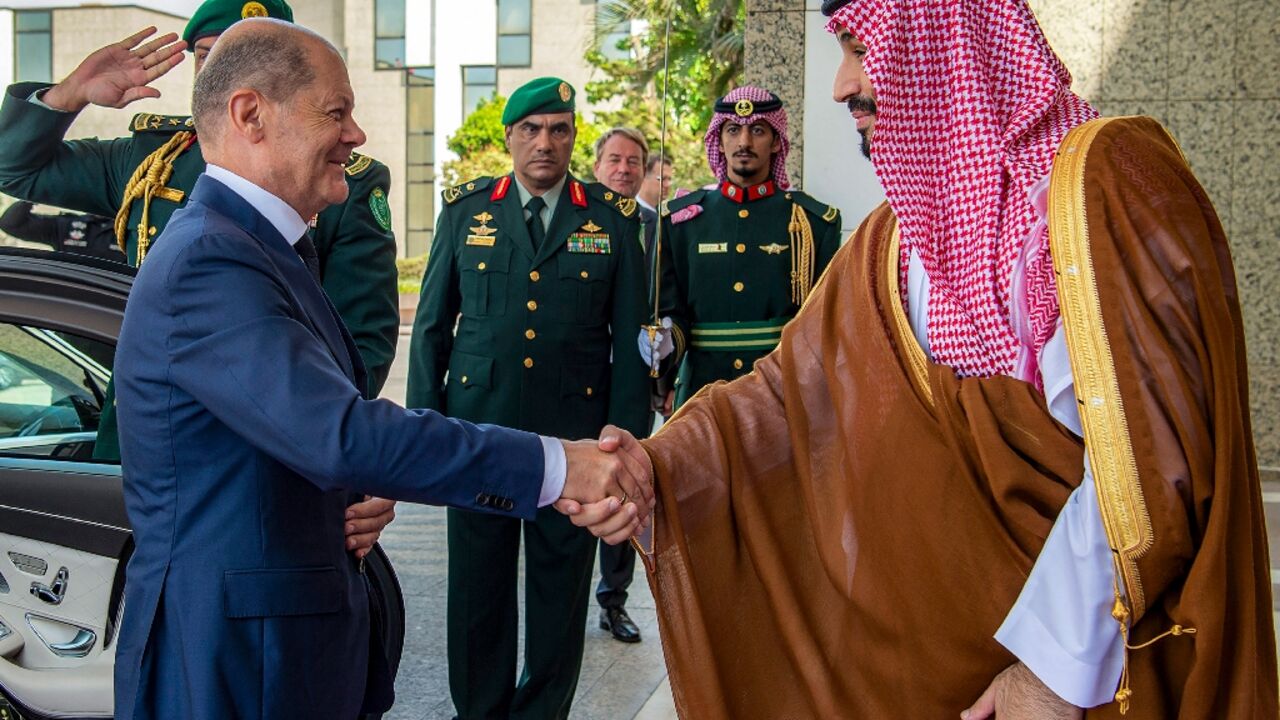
64 535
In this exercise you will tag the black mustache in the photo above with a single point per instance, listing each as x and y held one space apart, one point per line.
861 103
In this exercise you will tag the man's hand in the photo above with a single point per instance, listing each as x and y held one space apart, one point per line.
614 519
118 74
365 522
1017 694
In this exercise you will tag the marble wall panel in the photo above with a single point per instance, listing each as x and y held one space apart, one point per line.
775 61
1201 49
1135 49
1257 48
1255 201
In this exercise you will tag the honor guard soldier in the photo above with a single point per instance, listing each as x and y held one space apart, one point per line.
534 290
737 259
141 179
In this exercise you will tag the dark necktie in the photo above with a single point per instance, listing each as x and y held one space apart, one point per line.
537 231
307 251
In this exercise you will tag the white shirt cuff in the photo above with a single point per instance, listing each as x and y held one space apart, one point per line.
554 468
35 98
1061 626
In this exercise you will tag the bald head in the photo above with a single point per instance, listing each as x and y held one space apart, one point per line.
276 59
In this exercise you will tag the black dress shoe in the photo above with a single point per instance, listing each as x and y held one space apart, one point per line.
616 621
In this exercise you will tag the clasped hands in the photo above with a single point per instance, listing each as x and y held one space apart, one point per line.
608 485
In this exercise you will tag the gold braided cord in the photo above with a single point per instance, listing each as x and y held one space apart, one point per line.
148 181
802 255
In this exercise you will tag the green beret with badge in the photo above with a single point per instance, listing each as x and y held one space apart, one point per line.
213 17
540 96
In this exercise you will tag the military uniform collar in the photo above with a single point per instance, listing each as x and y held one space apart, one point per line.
740 194
550 197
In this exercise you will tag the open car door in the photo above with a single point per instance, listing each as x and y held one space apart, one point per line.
64 533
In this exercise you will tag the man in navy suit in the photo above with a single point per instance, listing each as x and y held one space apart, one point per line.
243 430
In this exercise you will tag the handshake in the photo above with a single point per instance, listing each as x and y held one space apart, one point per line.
608 486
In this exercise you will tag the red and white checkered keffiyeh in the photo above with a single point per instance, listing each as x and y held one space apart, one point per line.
776 119
972 105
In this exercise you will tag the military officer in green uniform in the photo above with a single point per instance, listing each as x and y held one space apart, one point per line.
739 258
534 290
141 179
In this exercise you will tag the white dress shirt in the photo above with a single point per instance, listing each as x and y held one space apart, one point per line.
1061 626
291 226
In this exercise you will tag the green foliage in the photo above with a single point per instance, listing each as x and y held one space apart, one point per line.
705 61
411 270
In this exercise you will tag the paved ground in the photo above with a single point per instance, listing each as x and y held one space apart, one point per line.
617 679
619 682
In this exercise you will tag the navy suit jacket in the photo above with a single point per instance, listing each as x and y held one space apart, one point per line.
243 432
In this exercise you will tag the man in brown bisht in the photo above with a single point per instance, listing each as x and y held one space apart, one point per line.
1001 463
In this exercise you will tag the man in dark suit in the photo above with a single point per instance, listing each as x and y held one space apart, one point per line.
622 154
243 426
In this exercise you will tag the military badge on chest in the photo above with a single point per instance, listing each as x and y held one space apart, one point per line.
482 234
590 240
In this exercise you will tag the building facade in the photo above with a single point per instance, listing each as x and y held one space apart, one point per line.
1209 71
418 68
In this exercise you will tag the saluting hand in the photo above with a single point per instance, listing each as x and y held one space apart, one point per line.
118 74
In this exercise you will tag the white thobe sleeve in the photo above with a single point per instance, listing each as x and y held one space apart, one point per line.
1061 626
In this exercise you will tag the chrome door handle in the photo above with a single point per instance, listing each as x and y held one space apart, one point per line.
79 646
54 591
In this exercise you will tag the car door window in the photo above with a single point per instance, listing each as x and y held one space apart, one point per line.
52 387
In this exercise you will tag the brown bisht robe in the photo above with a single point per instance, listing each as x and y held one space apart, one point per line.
841 532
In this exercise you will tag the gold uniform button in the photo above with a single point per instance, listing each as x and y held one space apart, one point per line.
464 379
528 362
481 266
608 196
534 276
738 287
589 391
530 334
152 231
532 305
741 248
584 274
737 363
743 213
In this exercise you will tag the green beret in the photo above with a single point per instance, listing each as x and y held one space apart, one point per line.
213 17
538 97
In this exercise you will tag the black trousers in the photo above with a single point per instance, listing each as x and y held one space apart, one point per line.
617 568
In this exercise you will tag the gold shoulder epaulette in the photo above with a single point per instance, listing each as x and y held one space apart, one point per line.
624 205
457 192
151 123
357 164
828 213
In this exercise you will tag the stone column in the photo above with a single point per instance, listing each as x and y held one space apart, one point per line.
775 38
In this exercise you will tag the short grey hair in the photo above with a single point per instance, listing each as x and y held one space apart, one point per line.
629 133
273 59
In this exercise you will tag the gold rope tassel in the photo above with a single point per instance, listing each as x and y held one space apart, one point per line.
1120 612
802 255
148 181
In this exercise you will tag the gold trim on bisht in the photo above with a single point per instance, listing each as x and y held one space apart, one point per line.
917 361
1106 431
148 181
